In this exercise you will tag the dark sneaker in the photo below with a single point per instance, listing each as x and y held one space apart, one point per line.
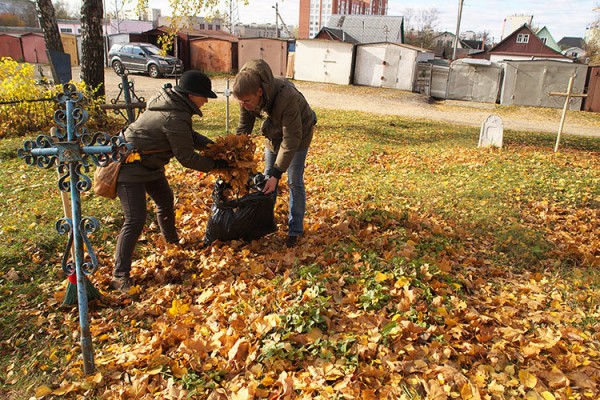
292 241
121 284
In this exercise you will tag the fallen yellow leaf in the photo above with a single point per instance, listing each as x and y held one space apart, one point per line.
42 391
527 379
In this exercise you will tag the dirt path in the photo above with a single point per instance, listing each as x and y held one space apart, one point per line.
405 104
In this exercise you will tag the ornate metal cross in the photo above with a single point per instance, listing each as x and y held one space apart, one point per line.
73 151
131 100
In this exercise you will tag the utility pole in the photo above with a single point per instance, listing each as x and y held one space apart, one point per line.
456 39
277 20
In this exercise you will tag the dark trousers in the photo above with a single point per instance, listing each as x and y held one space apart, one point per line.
133 202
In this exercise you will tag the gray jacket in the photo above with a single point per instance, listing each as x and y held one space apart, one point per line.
289 121
165 125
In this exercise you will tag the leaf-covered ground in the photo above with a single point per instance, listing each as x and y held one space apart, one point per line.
429 269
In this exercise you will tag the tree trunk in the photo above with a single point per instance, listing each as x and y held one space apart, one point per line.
92 45
47 18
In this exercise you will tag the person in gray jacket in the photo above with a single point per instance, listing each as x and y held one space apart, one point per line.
164 130
288 127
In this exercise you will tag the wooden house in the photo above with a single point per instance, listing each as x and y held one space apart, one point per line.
546 37
522 44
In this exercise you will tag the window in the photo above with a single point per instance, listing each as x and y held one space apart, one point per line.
218 27
523 38
210 27
544 40
201 26
66 30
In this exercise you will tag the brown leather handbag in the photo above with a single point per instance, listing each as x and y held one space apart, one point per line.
105 178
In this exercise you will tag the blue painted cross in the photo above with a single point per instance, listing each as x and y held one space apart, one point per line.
73 151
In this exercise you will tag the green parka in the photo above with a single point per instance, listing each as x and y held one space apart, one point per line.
165 125
289 122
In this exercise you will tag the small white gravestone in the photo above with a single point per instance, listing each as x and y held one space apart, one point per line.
492 131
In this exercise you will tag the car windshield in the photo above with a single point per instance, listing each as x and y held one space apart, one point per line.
152 50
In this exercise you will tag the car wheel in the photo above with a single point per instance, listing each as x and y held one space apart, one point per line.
118 67
153 71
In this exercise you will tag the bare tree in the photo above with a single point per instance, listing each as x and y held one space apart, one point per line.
63 11
92 45
592 45
47 17
420 25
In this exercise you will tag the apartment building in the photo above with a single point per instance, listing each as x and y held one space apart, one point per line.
314 14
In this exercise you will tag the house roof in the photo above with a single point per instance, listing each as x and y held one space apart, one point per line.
567 42
198 33
370 28
464 43
472 44
335 34
406 46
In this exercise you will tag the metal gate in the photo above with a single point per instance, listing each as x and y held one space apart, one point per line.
423 81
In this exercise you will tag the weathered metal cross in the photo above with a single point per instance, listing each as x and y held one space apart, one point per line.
129 105
72 153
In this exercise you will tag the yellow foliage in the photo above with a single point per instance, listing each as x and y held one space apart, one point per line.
18 84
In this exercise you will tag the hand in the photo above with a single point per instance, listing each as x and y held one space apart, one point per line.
271 185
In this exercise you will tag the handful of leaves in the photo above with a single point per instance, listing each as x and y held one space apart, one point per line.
239 153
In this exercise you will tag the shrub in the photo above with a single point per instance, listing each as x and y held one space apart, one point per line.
18 84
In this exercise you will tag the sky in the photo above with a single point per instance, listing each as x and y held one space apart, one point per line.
561 17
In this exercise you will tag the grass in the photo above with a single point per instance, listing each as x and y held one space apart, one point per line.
424 188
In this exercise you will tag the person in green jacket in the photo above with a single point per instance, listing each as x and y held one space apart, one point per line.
288 128
164 130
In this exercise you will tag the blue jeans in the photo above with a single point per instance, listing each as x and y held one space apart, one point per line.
297 205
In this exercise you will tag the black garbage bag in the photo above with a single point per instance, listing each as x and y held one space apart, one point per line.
249 217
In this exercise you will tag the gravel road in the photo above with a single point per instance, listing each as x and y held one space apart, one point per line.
401 103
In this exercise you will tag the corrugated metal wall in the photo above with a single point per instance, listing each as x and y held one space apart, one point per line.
474 82
528 83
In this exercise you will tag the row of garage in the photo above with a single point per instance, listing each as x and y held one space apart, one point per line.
389 65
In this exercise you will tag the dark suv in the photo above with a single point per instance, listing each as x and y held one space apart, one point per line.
143 57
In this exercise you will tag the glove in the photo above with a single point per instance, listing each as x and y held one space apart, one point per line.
222 164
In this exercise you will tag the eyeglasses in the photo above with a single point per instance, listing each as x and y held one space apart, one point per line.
247 100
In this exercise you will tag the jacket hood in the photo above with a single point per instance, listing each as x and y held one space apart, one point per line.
169 99
266 78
